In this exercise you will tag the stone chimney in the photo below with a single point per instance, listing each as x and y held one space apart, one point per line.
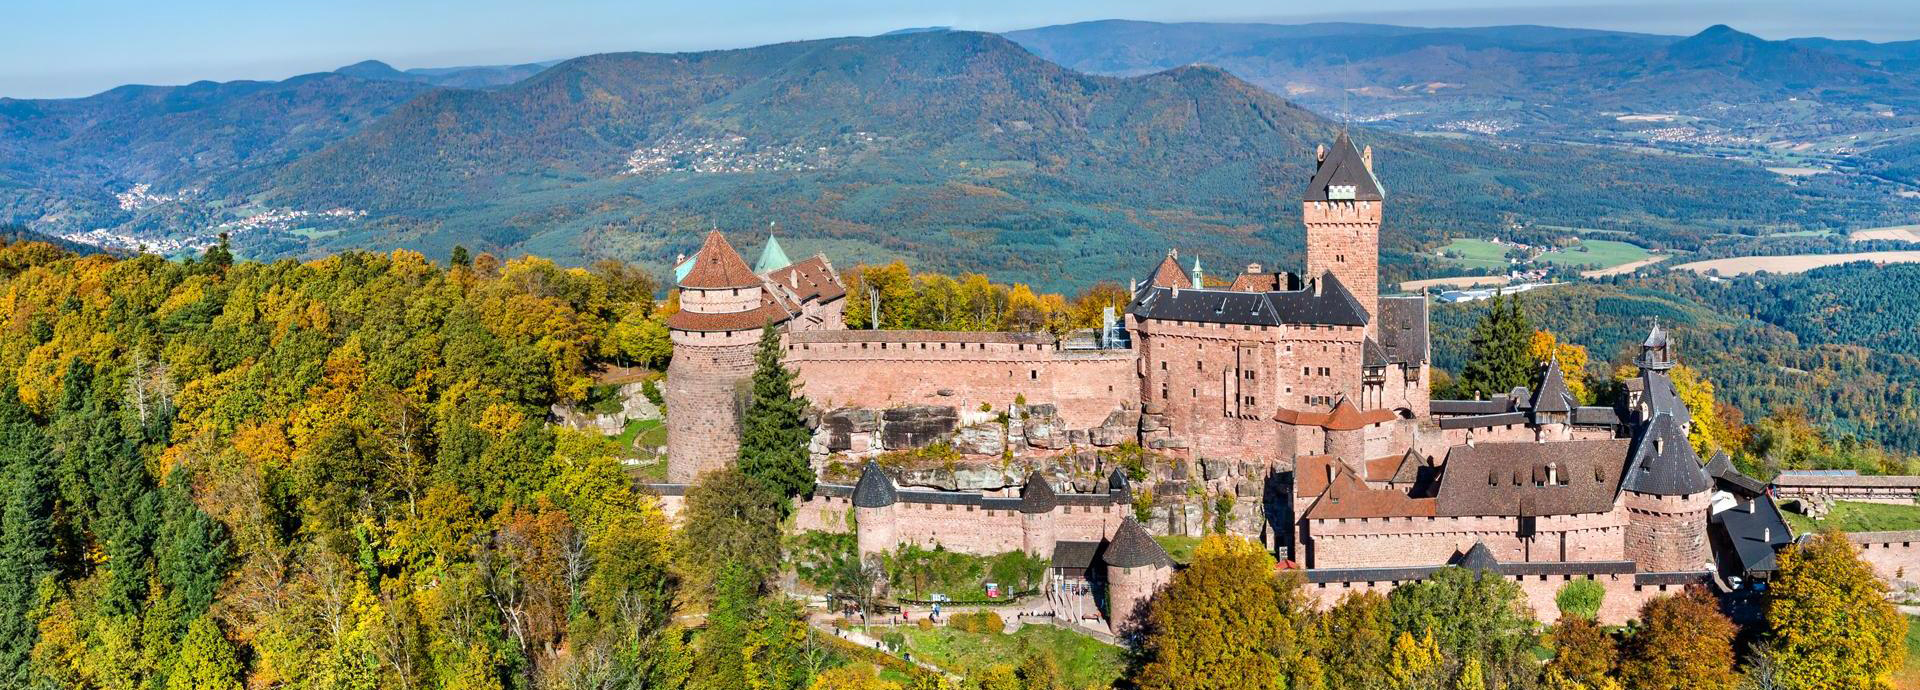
1320 153
1553 474
1366 157
1253 268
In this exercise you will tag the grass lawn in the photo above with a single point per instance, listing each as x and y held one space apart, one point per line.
1908 678
1084 662
1599 254
1476 254
1853 516
1179 547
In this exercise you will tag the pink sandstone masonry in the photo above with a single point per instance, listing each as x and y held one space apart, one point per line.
880 369
705 395
1667 533
1622 602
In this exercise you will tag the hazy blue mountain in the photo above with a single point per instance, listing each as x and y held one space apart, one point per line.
960 150
469 77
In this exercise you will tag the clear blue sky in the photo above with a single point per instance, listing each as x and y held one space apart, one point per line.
58 48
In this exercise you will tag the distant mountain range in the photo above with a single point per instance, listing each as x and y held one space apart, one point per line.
959 150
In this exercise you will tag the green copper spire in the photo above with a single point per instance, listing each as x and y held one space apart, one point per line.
1198 283
772 258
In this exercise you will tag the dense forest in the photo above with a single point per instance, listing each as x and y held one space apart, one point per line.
1825 353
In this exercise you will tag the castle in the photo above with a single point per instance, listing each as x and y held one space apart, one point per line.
1303 397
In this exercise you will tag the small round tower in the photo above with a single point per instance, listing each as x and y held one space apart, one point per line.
1667 494
714 335
1136 567
1037 502
873 500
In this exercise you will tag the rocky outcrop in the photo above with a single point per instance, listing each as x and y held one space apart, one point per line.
1022 430
634 405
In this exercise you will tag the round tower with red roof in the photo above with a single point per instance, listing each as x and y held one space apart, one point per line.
723 307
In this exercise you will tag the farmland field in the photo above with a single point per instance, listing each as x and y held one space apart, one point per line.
1598 254
1458 282
1480 254
1902 233
1794 263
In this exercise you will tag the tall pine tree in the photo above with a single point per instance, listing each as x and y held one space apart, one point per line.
773 434
1501 359
26 534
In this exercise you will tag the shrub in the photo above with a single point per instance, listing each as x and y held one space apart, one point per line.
1580 598
924 623
893 640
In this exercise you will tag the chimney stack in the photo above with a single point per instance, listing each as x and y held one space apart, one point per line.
1366 157
1320 153
1329 474
1253 268
1553 474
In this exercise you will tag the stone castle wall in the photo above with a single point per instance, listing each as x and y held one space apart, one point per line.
1424 541
1129 589
1668 533
1626 592
1895 556
881 369
1219 384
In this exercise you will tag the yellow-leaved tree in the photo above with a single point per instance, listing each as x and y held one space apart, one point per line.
1573 361
1832 624
1229 620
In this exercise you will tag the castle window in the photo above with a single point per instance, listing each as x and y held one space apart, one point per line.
943 346
1249 374
1199 365
1306 371
1196 393
863 346
1034 374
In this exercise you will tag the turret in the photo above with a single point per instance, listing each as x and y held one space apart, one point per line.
1136 567
1656 352
873 500
1342 211
1668 494
1037 501
1552 405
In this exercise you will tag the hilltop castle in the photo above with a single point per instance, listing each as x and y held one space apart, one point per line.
1302 397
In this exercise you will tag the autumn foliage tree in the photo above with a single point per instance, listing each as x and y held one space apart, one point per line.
1684 642
1226 621
1830 621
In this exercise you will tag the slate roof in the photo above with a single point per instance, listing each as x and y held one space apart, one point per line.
1663 462
1037 496
875 489
1482 421
1371 354
1409 470
1075 554
1328 303
1499 479
1343 166
1596 416
1753 531
1478 558
1553 395
1118 481
1497 405
717 267
1132 547
1403 329
1731 479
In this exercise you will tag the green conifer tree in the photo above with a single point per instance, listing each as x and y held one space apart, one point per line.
1500 360
773 434
26 534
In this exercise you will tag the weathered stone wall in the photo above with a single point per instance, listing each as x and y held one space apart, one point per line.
823 514
1128 590
1895 556
1863 492
1668 533
705 389
882 369
1426 541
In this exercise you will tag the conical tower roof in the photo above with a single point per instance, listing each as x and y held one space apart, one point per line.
717 267
1037 496
772 257
1553 395
1132 547
1663 462
1479 558
875 489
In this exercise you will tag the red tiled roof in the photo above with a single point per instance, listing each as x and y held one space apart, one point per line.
809 280
1258 282
1169 274
767 313
1350 498
1383 469
717 266
1344 417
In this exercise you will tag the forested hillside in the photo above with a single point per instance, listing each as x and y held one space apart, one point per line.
959 151
1826 345
330 474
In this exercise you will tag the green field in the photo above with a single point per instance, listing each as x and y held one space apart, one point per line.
1851 516
1084 662
1179 547
1476 254
1598 254
1909 676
